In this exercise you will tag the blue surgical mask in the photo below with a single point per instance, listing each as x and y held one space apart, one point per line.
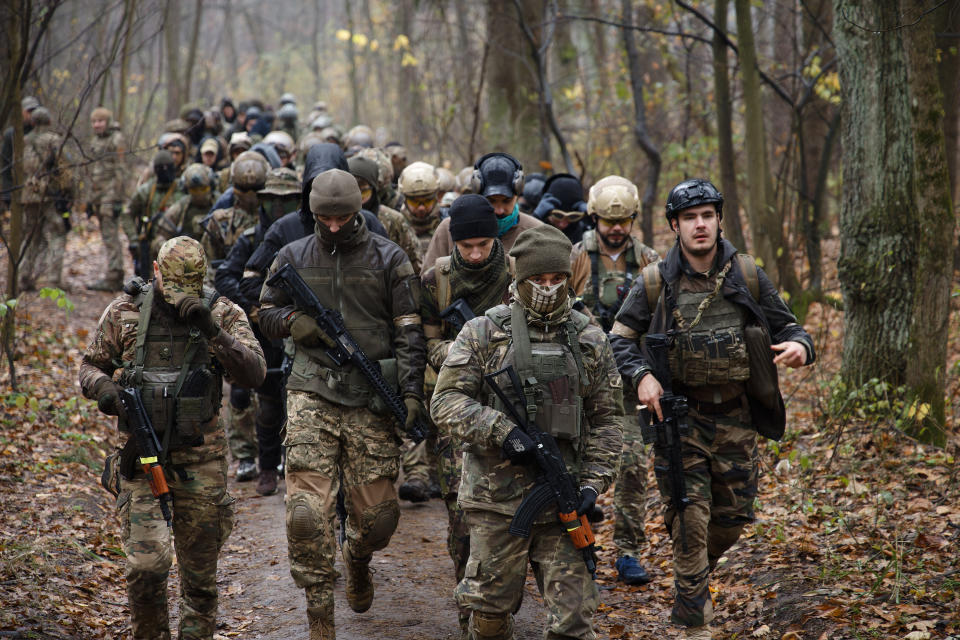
506 223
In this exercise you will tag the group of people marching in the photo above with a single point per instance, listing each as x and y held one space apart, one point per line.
449 282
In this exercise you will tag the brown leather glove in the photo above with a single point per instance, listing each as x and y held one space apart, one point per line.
108 398
194 311
304 330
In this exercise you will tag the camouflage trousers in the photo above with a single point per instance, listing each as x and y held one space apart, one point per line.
419 461
240 423
109 214
45 238
630 492
324 442
449 468
720 468
202 521
495 573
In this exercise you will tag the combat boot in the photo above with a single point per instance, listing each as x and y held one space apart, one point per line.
630 570
246 469
267 482
359 583
414 490
321 624
698 633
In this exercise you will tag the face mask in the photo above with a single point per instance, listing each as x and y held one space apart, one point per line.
342 234
506 223
541 298
165 173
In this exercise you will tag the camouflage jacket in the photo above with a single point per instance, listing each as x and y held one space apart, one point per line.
147 206
461 407
182 219
402 233
222 230
236 348
107 172
44 170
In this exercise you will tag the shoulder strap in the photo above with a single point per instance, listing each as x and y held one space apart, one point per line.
652 284
574 327
748 267
442 273
143 323
523 356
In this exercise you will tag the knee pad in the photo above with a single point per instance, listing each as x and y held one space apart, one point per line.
303 520
239 397
377 524
491 625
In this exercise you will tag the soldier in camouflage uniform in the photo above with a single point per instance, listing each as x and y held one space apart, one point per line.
708 300
337 427
419 187
173 329
107 182
386 191
604 265
223 228
185 217
398 229
576 392
148 204
477 275
46 196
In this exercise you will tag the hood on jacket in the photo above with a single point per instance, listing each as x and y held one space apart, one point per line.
321 157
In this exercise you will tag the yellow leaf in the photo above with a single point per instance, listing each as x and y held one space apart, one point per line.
408 60
402 42
374 45
343 34
360 40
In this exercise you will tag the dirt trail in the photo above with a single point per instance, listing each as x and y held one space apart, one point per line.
413 578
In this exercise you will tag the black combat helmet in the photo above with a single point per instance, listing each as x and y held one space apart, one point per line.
692 193
163 167
497 174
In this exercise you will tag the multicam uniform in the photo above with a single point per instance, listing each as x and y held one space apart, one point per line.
195 467
602 283
147 206
709 365
107 186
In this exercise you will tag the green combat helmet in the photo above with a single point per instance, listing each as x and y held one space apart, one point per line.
182 265
281 182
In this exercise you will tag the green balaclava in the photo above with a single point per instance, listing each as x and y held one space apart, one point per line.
335 193
543 249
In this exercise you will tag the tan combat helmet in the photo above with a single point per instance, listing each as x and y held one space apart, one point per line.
360 137
281 141
464 180
182 266
418 179
384 166
249 171
613 197
281 182
446 180
197 175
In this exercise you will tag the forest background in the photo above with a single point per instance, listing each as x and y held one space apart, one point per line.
830 127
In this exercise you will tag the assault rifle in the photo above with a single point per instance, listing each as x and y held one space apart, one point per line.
148 448
457 314
554 483
345 349
665 435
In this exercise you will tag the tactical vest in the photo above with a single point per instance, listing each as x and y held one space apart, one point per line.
608 289
357 293
552 374
179 381
708 347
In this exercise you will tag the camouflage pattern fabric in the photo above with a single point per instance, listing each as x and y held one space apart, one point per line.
109 216
107 170
240 426
46 238
630 492
43 169
720 462
202 520
495 573
182 263
400 231
223 230
419 461
323 441
182 219
148 204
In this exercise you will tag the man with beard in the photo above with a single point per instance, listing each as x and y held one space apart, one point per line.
419 186
711 304
172 329
107 176
604 265
280 196
498 177
476 275
337 429
572 390
148 204
184 218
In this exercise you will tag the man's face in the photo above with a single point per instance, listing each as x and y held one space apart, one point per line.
502 205
177 154
228 112
421 206
334 223
615 231
548 279
99 125
698 229
563 219
209 158
366 191
248 125
474 250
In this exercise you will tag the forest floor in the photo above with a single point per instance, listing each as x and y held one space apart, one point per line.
857 528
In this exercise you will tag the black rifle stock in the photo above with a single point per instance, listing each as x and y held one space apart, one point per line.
554 482
148 448
345 349
457 314
665 435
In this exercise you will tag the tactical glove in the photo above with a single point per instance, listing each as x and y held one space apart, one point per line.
194 311
588 498
518 446
108 398
305 331
415 411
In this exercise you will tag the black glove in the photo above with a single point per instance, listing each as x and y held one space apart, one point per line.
193 310
518 446
250 289
588 498
304 330
108 398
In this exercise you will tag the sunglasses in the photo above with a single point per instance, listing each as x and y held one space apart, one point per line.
623 222
569 216
365 193
422 201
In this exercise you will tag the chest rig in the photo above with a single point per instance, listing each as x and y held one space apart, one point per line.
551 373
608 289
179 381
708 347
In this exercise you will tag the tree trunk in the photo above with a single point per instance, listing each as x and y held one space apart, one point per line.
129 16
896 219
640 132
192 52
171 41
732 227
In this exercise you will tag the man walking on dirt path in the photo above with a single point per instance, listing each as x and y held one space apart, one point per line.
337 428
709 305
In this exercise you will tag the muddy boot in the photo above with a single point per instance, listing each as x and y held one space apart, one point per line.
267 482
359 584
246 469
320 615
414 490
